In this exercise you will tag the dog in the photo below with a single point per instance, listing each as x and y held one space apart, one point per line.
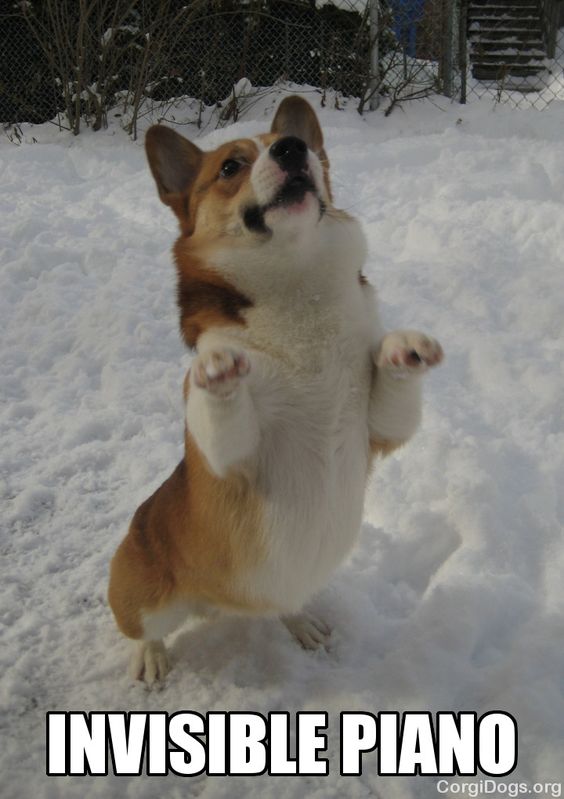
294 389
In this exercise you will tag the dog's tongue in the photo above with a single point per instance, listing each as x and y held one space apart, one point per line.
293 191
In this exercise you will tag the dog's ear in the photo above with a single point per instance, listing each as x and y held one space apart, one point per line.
174 162
296 117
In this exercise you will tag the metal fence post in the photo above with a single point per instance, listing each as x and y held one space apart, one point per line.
448 31
463 48
287 50
374 65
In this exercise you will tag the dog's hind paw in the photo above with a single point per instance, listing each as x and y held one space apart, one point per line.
308 630
149 662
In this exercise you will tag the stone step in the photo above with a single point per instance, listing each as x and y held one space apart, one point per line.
507 57
510 3
507 48
501 30
490 34
523 84
518 23
505 12
497 72
501 23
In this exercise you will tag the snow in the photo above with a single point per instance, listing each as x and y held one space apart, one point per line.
453 598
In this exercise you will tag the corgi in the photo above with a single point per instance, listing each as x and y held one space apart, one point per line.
293 391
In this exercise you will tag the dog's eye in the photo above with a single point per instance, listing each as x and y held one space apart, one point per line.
229 168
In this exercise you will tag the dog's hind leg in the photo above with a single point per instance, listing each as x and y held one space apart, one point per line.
150 661
142 597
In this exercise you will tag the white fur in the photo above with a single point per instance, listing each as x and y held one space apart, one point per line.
159 623
395 402
305 412
259 143
221 417
395 406
149 662
226 429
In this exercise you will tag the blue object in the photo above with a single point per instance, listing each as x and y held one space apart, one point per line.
407 14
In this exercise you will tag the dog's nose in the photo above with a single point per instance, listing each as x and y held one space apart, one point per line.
290 153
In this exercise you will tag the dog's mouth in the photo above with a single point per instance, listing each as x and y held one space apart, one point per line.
292 192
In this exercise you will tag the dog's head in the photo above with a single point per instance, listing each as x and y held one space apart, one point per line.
247 208
247 187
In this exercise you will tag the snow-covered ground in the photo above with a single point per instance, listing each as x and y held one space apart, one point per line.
453 599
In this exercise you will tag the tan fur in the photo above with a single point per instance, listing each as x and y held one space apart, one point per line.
382 447
205 299
187 542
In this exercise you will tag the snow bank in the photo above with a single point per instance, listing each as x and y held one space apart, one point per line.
453 599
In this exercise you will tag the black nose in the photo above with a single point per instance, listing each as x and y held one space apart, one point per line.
290 153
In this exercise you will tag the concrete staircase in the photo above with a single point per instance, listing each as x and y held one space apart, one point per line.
506 42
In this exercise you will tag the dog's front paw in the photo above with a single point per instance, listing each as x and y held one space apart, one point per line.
220 371
406 352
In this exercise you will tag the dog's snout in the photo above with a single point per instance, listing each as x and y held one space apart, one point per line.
290 153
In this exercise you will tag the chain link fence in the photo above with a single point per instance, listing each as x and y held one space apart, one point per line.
77 61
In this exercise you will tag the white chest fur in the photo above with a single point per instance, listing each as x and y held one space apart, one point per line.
313 456
310 335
